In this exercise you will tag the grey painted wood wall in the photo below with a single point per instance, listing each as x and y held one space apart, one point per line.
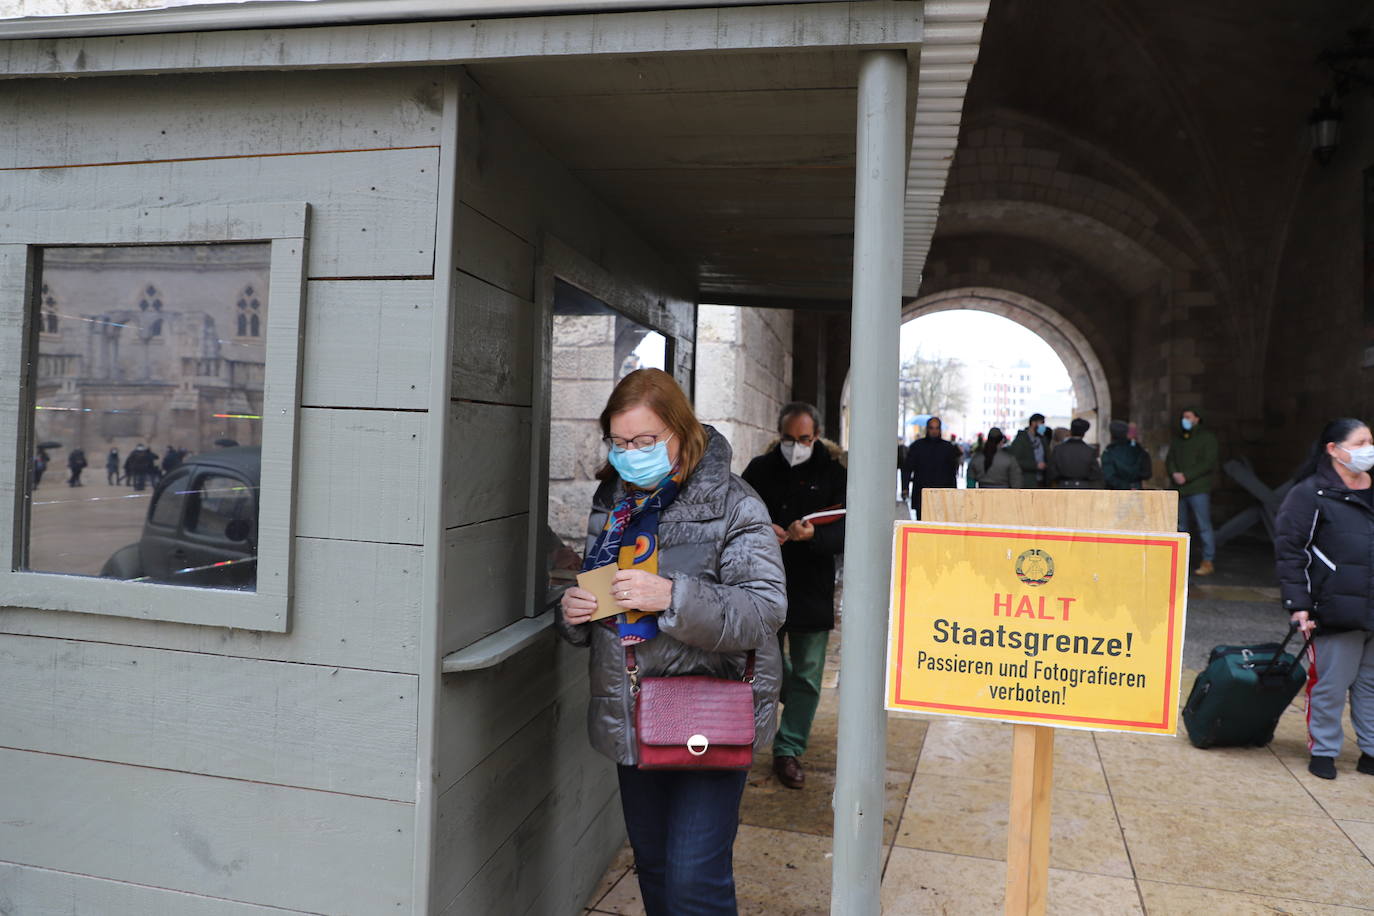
528 815
165 768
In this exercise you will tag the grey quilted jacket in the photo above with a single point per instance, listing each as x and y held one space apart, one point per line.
729 596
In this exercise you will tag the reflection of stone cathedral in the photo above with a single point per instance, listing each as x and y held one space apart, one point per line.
159 345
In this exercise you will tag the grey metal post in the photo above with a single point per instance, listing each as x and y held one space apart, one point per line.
880 172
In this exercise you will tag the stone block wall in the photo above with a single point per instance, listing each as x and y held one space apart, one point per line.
584 372
744 374
1318 334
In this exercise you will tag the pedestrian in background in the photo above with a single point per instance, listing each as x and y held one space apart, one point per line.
1192 466
76 463
1074 465
694 596
138 467
112 467
1324 553
901 461
1031 449
1147 465
800 474
40 465
171 459
994 468
1124 463
930 462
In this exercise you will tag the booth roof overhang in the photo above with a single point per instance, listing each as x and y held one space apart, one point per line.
724 132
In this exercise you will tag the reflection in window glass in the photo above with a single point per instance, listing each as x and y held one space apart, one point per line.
147 421
593 348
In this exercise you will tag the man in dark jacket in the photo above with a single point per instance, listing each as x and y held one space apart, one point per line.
1031 449
930 462
1074 463
76 463
1192 466
1123 461
796 477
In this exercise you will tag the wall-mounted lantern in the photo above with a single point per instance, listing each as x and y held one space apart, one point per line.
1347 66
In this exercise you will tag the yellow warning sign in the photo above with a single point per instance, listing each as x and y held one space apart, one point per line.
1076 629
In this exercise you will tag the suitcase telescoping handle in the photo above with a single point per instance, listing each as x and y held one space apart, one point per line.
1292 628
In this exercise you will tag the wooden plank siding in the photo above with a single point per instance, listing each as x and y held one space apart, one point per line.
518 782
360 475
373 211
310 726
493 359
483 709
489 452
547 767
869 24
357 605
211 116
484 564
168 768
533 871
251 842
367 344
43 892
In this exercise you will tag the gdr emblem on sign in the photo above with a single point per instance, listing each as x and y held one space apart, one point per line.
1035 567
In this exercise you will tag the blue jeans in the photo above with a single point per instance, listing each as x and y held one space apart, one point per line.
682 826
1199 507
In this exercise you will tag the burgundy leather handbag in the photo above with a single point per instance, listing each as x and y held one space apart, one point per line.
693 722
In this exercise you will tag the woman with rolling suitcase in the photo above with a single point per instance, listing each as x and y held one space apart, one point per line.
1324 551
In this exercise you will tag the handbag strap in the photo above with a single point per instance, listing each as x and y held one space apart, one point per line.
632 668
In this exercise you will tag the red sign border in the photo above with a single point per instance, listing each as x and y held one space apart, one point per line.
1143 541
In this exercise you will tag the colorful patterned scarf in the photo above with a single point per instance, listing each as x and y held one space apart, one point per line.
630 540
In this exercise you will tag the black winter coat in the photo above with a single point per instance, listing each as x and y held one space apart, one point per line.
930 463
1324 552
789 493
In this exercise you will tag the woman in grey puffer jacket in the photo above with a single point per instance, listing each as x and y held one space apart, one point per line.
715 590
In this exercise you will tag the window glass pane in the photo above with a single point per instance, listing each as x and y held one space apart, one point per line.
170 501
220 501
141 369
593 348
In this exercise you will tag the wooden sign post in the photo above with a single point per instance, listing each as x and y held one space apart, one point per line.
1043 608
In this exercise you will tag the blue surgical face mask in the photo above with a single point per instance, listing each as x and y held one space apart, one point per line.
642 467
1186 424
1041 429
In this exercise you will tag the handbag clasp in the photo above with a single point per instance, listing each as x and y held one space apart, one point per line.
697 744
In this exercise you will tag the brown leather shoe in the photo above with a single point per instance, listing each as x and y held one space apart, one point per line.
789 772
1206 569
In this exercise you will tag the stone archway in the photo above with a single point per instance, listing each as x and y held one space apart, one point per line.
1086 373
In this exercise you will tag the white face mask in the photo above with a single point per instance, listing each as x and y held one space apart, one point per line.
1361 459
794 453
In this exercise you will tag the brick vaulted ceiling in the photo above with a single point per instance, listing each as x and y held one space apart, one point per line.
1147 140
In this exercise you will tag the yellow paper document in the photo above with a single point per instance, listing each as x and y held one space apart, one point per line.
598 582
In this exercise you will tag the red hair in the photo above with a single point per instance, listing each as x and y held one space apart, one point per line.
656 390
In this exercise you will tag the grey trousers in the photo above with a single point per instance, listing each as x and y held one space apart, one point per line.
1342 665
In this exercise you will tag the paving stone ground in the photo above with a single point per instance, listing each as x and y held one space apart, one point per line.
1141 824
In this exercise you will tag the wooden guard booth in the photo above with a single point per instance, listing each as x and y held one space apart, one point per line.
321 263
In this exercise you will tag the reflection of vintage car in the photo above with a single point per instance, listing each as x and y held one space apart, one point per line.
202 525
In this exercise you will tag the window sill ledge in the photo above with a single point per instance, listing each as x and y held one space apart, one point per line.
490 651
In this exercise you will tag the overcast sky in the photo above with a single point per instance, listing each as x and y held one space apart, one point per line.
972 337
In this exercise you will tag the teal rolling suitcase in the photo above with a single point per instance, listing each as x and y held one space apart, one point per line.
1237 700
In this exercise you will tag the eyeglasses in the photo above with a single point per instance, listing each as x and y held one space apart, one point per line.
800 440
637 444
